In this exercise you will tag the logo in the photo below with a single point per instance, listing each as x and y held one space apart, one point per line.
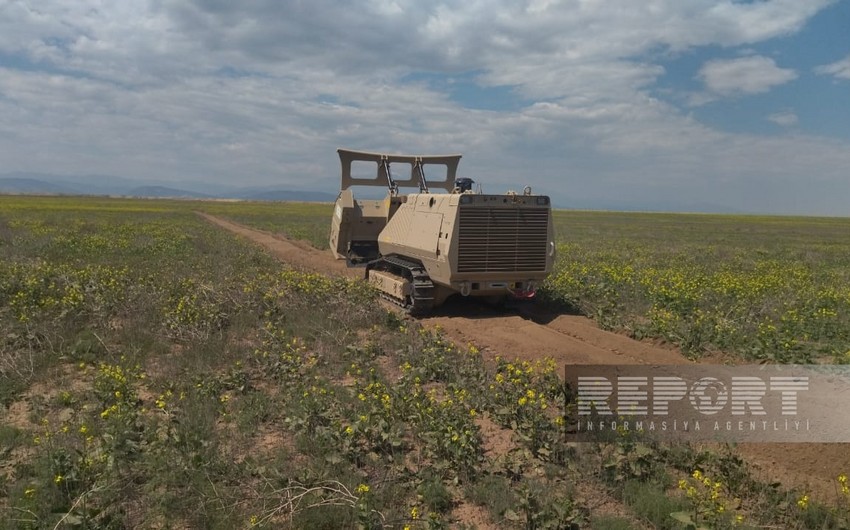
762 403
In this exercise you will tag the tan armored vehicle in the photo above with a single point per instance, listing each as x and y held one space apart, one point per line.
420 248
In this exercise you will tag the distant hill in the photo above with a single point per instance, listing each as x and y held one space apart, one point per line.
34 186
165 193
602 204
45 184
284 195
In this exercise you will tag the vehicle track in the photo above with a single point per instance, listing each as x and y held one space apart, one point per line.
532 334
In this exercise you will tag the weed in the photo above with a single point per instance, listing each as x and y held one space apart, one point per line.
495 492
652 504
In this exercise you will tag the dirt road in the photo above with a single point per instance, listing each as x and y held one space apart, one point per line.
570 339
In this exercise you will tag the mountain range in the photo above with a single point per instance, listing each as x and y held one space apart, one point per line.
45 184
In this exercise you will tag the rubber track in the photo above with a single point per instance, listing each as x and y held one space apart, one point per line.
422 300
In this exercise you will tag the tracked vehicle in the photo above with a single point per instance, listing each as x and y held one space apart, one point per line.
420 248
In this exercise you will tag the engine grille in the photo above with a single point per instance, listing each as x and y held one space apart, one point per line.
502 239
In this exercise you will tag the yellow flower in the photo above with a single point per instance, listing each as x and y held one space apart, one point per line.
29 492
842 478
254 520
472 413
522 401
697 474
83 429
362 488
803 502
414 513
349 431
58 479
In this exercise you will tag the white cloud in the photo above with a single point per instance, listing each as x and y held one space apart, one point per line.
263 92
745 75
839 69
785 118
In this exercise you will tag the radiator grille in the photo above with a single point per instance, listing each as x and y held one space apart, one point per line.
502 239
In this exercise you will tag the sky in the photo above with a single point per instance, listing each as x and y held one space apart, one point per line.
658 104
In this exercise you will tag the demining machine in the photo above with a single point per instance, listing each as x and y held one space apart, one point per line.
420 248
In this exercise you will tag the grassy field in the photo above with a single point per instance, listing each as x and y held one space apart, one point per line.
771 289
157 372
307 221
